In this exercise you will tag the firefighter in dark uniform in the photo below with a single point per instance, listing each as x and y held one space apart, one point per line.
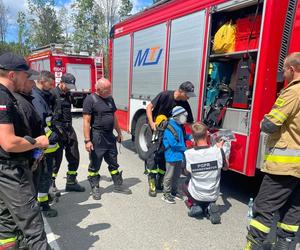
62 120
280 189
18 206
157 111
99 121
42 102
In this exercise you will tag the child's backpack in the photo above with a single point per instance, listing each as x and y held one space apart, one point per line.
155 146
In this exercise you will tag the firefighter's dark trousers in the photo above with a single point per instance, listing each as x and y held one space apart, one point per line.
45 176
18 206
70 145
104 148
277 193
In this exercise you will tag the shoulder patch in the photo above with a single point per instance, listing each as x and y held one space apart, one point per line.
279 102
3 108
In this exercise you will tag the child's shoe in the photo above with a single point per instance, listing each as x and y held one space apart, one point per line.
168 198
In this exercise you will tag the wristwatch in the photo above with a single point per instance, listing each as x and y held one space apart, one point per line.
86 141
30 139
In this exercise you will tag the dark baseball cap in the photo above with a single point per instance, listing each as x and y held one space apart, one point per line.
13 62
69 80
188 88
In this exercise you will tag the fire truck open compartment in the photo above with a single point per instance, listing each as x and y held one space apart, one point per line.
230 75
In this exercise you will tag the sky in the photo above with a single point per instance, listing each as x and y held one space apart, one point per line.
21 5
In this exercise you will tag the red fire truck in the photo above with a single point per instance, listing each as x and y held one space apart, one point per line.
173 41
86 69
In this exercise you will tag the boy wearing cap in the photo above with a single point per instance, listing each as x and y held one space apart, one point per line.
204 163
62 120
163 104
174 143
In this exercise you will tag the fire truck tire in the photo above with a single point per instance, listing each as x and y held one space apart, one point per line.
143 135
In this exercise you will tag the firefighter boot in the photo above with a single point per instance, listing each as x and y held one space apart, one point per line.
253 243
47 210
9 246
283 243
72 184
54 191
118 181
94 182
159 182
152 186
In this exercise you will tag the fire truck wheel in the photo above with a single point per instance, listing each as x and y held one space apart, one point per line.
143 135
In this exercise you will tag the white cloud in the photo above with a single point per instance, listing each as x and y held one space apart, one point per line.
138 5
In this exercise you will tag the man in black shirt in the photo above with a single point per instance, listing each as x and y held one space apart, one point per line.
165 101
62 120
18 206
99 121
163 104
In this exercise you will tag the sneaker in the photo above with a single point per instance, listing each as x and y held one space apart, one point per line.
168 198
195 211
214 213
177 196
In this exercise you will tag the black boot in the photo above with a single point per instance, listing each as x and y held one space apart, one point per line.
47 210
283 243
94 182
159 182
72 184
118 181
152 185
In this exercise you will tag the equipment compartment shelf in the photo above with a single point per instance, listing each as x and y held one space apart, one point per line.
231 55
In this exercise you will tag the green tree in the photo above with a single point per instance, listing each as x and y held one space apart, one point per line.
125 9
3 21
89 27
44 25
66 23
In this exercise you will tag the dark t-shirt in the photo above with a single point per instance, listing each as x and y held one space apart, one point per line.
62 106
164 102
9 114
101 110
33 118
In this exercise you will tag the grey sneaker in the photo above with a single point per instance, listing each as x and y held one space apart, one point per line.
168 198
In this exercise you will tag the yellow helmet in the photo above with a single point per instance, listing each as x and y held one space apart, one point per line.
159 119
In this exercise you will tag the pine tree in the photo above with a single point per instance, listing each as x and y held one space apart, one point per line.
125 9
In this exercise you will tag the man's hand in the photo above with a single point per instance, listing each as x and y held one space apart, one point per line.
152 125
119 137
89 147
42 142
220 143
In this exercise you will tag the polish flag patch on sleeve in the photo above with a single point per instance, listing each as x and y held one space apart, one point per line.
3 108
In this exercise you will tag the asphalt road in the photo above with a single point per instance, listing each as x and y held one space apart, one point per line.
138 221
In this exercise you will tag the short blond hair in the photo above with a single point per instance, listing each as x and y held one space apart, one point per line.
199 131
293 60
